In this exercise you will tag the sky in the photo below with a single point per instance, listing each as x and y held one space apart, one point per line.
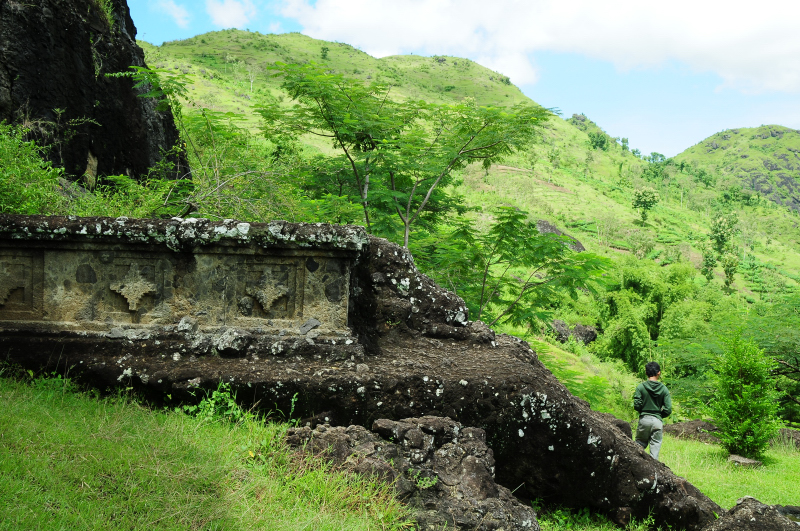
665 75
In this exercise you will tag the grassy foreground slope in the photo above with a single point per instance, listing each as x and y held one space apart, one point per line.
71 461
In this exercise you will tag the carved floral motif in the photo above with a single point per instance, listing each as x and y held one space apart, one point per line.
133 287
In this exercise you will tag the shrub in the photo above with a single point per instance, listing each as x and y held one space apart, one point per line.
745 404
28 184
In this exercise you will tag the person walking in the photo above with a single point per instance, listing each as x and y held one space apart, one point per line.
653 403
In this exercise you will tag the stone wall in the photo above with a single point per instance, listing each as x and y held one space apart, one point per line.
240 285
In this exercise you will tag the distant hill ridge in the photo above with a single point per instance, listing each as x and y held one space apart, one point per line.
763 159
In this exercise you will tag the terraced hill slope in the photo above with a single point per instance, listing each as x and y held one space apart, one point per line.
764 160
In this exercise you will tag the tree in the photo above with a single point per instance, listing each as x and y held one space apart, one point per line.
355 117
401 155
554 156
625 334
709 263
729 263
598 140
644 200
324 52
640 242
252 74
511 272
704 177
532 157
447 138
723 228
745 403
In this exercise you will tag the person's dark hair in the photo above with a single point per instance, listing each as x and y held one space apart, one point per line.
652 369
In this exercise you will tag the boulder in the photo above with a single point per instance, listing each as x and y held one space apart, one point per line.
442 470
744 462
749 514
392 344
621 425
54 57
584 334
790 436
792 512
545 227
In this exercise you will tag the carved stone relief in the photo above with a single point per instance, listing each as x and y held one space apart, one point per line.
20 284
269 289
104 274
133 287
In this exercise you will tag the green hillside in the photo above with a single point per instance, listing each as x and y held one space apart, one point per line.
762 160
681 254
219 66
576 177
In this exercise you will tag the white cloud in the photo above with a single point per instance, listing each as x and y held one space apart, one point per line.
230 13
179 13
752 47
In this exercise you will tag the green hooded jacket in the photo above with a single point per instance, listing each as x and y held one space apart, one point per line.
652 398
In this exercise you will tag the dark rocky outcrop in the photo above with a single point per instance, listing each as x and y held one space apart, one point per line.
545 227
584 334
441 469
749 514
54 54
408 351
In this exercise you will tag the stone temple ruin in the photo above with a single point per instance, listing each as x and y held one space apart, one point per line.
340 320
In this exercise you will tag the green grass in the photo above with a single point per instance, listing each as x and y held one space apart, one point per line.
557 519
706 467
70 461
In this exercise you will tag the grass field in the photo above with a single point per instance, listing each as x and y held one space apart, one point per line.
71 461
706 466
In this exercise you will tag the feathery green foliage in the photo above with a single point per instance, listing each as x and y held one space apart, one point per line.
395 157
510 272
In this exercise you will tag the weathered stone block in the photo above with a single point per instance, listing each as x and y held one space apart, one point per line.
222 287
